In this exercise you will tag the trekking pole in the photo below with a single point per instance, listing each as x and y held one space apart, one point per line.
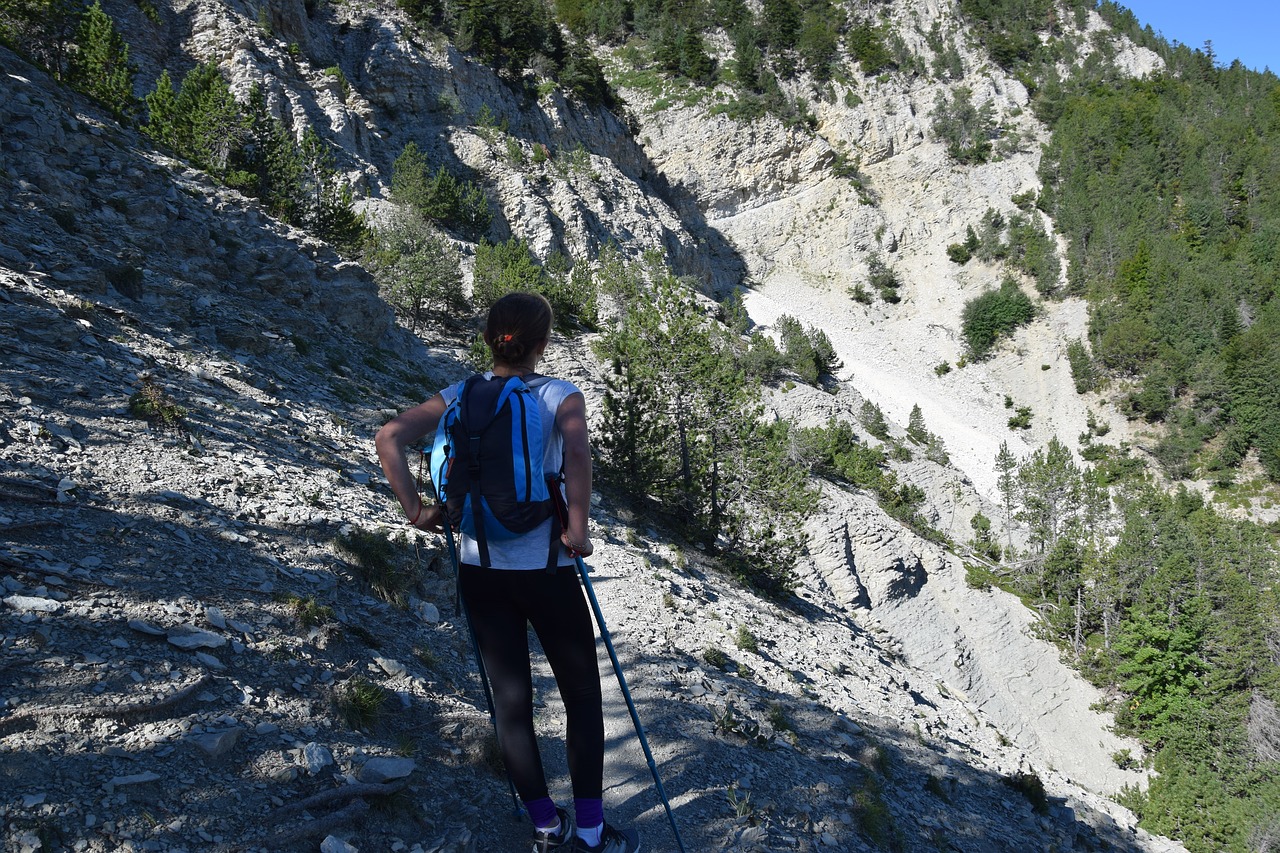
626 694
475 647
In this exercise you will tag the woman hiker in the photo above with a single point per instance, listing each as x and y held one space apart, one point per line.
524 584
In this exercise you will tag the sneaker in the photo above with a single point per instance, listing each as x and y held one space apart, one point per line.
612 840
560 840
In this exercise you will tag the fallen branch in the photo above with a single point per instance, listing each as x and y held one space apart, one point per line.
337 795
312 828
5 494
24 719
27 484
27 525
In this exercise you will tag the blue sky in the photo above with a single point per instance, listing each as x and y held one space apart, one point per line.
1248 30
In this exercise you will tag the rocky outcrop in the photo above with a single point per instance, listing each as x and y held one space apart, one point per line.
980 644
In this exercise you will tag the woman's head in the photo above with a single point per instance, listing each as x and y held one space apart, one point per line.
518 325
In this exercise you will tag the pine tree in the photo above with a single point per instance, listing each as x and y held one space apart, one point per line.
329 209
1006 481
417 271
99 64
162 113
917 433
1049 494
273 158
208 122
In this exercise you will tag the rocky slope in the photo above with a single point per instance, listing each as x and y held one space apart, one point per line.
183 640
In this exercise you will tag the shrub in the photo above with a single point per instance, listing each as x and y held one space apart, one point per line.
959 253
152 403
1082 372
993 315
883 279
966 129
308 611
1021 420
745 640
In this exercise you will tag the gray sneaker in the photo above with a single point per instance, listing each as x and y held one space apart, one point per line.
543 842
612 840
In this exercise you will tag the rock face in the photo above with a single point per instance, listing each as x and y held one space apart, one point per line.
979 644
194 656
806 236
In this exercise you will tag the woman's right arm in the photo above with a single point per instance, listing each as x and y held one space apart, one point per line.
402 430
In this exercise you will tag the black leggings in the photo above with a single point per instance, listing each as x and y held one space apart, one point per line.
500 602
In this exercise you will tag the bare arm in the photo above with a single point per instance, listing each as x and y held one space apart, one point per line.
571 418
402 430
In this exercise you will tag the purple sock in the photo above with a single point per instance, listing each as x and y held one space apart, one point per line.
590 813
542 812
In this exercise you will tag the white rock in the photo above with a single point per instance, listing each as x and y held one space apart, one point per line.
32 604
191 637
316 757
334 844
384 769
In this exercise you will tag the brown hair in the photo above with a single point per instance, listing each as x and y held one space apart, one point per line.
517 324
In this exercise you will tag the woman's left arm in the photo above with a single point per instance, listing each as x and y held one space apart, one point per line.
571 419
402 430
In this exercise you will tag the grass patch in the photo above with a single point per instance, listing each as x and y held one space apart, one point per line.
308 611
361 703
379 563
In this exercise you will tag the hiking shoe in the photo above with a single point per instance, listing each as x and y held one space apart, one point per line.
561 840
612 840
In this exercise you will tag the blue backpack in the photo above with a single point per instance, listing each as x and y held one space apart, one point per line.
486 464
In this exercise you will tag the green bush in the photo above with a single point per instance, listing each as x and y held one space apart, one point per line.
966 129
993 315
152 403
1082 372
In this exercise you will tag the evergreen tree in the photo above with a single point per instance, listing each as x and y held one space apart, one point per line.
684 426
916 430
208 122
1006 466
329 209
417 271
504 268
818 39
781 24
99 64
162 113
41 29
272 160
966 129
1049 485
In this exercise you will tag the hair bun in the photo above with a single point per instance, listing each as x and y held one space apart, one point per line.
509 349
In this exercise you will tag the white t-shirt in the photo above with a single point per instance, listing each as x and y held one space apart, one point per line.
530 550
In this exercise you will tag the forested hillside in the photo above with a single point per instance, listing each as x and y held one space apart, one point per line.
533 164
